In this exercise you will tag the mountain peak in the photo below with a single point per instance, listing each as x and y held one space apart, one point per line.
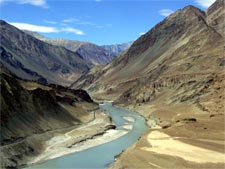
2 21
191 7
188 11
184 21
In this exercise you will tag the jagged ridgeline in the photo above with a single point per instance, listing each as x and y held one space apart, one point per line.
32 56
32 59
95 54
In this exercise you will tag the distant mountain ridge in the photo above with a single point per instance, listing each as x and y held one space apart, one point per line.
32 59
97 55
118 48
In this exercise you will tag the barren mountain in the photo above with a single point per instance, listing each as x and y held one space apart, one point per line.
173 76
89 51
95 54
183 44
118 48
30 58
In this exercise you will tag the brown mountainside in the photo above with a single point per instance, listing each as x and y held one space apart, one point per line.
173 76
215 16
97 55
30 58
89 51
181 45
32 113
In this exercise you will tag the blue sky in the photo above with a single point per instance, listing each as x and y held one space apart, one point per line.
97 21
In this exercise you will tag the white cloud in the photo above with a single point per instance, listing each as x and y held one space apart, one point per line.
46 29
70 20
166 12
142 33
78 21
40 3
72 30
205 3
35 28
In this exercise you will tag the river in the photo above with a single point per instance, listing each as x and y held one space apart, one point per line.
103 155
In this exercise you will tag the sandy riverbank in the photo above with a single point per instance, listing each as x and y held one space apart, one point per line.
128 126
161 143
84 137
129 119
190 139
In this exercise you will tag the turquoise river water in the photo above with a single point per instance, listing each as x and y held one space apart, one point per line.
103 155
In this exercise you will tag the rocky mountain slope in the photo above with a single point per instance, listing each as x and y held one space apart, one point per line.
215 16
31 113
168 50
30 58
118 48
97 55
174 76
89 51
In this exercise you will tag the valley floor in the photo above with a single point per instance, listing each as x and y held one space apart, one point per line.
190 140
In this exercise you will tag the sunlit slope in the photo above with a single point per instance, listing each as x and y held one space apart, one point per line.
183 44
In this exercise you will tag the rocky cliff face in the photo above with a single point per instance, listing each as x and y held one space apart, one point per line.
29 110
30 58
